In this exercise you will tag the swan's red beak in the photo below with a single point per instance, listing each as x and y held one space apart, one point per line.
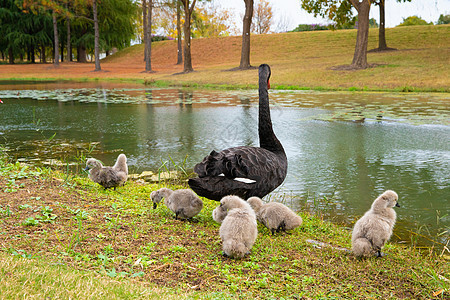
268 84
1 101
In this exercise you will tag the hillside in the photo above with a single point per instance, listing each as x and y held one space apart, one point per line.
302 60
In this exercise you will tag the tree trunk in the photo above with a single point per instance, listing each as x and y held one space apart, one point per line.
43 57
56 40
187 35
33 58
179 48
247 23
362 37
69 42
81 54
11 56
96 38
62 50
148 42
144 22
381 31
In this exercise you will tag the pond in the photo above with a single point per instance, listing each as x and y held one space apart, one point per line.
343 148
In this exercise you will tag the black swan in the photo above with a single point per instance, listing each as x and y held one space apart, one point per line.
245 171
108 177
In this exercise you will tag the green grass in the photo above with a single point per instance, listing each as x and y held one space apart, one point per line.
113 244
36 278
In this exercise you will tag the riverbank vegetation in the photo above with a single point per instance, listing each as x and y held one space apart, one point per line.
64 236
299 60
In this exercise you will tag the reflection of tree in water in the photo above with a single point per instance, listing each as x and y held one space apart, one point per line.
186 121
148 122
242 130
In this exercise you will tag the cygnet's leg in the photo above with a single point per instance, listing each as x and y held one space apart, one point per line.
155 205
381 254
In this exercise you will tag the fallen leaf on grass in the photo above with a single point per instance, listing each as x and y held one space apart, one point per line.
437 293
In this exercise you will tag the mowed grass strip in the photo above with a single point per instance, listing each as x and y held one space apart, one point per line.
298 59
22 278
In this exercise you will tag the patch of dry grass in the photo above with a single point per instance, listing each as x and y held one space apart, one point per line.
302 60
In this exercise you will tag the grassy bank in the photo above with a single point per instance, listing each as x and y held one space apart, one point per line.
63 236
302 60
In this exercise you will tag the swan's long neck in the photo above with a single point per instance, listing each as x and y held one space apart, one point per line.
267 138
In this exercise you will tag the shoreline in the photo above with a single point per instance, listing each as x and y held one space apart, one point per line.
175 84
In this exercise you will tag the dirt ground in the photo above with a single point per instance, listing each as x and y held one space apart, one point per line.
131 63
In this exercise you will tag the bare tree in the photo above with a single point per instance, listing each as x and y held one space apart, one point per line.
283 23
247 23
262 18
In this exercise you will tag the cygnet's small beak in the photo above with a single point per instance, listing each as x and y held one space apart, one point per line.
154 205
87 168
397 205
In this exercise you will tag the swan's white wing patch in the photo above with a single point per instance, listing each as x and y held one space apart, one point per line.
244 180
241 179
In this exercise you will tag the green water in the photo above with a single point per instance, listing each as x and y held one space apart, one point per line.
344 149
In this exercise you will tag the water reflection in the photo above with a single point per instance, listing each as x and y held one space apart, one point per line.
346 147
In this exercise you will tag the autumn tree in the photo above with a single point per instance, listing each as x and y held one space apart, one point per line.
22 32
188 7
116 26
211 21
56 8
179 48
262 17
246 26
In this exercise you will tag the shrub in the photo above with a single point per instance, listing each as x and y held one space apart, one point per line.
443 19
309 27
157 38
414 20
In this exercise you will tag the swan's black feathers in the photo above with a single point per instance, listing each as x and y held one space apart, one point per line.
233 163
